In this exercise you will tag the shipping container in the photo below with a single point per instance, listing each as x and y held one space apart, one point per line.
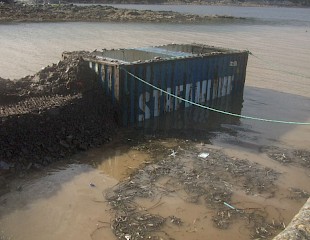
143 80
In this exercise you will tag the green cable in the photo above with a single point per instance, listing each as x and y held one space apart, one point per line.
213 109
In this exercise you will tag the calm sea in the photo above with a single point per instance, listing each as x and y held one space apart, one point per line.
263 15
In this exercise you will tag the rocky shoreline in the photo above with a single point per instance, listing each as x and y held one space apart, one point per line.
97 13
55 113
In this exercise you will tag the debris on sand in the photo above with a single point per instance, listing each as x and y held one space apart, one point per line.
211 183
296 193
300 157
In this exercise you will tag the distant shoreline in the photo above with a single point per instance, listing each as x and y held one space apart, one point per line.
210 4
16 13
227 3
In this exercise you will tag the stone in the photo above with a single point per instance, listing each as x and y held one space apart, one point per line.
64 144
69 139
4 165
29 166
82 147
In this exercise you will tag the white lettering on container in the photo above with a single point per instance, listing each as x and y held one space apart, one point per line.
202 95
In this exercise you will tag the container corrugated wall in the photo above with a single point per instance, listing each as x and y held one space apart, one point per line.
197 79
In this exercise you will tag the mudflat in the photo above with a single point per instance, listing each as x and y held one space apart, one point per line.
97 13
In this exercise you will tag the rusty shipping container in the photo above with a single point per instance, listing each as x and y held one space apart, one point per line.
195 72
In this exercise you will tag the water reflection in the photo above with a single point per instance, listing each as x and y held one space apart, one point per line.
117 161
195 122
200 124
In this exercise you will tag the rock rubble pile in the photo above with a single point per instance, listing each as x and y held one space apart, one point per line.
55 113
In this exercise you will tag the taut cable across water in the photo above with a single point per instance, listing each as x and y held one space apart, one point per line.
213 109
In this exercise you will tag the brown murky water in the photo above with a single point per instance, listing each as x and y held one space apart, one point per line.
196 221
61 204
68 201
117 162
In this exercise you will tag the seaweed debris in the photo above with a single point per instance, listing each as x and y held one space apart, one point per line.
300 157
210 181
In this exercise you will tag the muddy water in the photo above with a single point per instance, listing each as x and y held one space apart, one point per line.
280 206
116 161
196 221
280 49
61 204
276 205
67 202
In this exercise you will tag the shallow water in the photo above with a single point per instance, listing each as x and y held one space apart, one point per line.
60 205
281 52
68 199
63 205
262 15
